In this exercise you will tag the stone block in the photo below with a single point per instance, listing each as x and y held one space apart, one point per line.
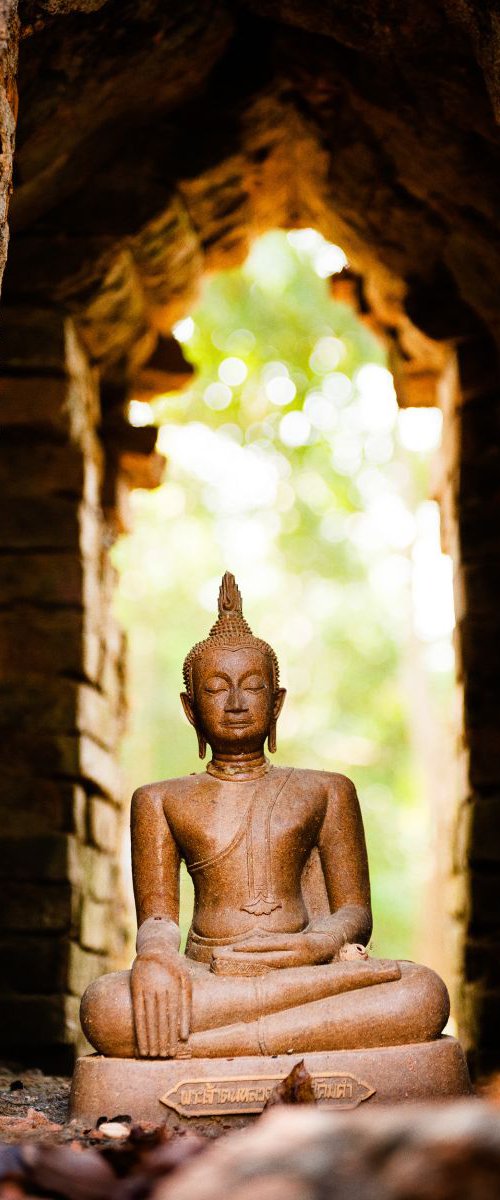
54 469
55 410
33 964
45 524
457 895
42 579
87 759
38 705
143 471
70 756
27 1022
58 858
37 965
83 967
485 1006
478 426
53 523
35 858
94 873
482 961
103 824
484 917
484 757
95 926
484 829
79 814
479 646
44 642
165 371
40 339
96 718
478 366
30 805
416 388
461 836
39 907
181 1091
57 705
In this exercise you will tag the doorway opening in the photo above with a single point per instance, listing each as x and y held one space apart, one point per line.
290 464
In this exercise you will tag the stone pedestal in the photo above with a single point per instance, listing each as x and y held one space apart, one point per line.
201 1091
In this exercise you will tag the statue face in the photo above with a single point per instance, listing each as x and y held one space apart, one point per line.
234 699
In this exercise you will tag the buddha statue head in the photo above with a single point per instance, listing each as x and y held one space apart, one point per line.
232 697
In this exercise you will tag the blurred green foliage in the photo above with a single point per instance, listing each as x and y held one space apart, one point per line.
296 509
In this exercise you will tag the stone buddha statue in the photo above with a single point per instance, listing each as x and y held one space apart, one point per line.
275 960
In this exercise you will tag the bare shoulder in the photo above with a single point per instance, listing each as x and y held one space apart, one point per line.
328 783
165 790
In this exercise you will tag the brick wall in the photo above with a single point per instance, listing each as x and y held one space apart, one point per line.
61 693
470 498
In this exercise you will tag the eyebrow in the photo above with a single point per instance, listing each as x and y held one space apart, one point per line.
227 678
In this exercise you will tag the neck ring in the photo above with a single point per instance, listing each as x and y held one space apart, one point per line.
238 771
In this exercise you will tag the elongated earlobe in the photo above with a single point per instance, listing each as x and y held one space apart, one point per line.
202 745
279 700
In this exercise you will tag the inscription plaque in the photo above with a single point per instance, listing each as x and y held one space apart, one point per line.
249 1094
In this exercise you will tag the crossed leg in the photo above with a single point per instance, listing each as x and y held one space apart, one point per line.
330 1007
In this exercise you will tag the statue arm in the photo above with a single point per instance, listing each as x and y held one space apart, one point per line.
159 982
342 849
155 871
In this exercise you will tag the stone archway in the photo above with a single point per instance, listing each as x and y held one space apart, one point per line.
152 146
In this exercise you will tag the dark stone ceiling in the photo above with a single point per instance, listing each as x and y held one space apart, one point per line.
155 139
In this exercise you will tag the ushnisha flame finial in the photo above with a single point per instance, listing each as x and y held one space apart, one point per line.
230 630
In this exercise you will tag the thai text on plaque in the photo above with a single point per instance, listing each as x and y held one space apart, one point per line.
247 1094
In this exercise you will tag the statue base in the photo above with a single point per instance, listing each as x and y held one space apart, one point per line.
211 1092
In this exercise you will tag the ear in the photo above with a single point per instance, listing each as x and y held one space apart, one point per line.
278 702
188 709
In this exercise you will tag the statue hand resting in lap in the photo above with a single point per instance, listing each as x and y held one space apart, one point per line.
275 957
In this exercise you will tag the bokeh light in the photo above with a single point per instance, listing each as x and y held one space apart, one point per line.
321 511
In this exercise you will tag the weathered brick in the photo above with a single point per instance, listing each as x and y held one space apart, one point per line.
40 339
95 928
83 967
86 758
478 365
34 907
35 858
96 718
103 824
57 705
35 1022
484 829
94 873
70 756
457 895
42 579
33 964
30 805
49 523
36 641
484 756
484 917
482 961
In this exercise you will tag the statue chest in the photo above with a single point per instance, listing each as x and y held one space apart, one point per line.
258 853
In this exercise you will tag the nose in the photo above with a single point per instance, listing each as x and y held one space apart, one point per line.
235 701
